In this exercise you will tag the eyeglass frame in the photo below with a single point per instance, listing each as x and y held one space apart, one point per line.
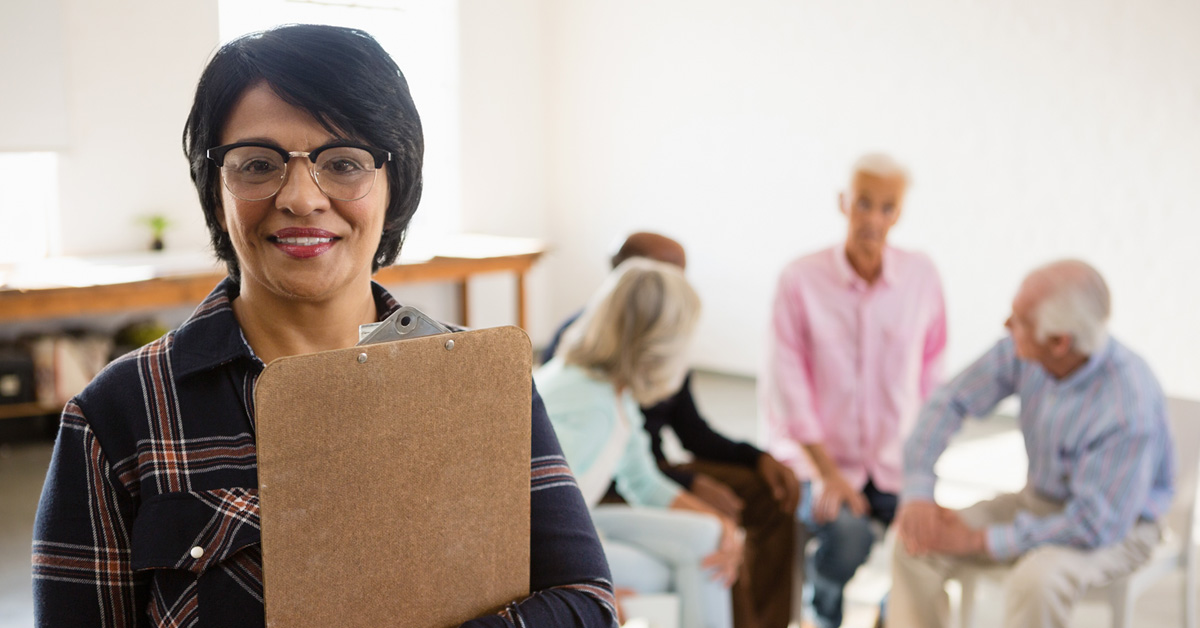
217 155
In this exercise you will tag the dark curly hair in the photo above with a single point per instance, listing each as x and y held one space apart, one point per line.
344 79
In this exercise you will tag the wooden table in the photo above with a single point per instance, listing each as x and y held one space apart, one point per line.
178 289
177 285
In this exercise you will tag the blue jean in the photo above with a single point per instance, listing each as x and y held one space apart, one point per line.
655 550
843 546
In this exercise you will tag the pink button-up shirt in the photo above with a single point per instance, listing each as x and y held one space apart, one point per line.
850 363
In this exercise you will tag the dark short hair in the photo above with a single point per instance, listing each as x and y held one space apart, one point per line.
340 76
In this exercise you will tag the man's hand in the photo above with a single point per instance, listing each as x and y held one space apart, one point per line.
917 525
727 560
926 528
835 492
785 488
718 495
957 539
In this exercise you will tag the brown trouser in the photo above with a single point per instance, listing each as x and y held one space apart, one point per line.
762 595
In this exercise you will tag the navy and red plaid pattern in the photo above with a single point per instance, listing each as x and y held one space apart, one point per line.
149 515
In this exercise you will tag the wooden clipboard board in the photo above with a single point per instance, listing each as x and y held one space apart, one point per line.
394 481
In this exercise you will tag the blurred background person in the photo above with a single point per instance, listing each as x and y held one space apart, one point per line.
745 483
1101 466
858 336
627 349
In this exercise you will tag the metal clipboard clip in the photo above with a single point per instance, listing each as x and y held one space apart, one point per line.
406 322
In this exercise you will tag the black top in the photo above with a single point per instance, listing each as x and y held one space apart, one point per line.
679 413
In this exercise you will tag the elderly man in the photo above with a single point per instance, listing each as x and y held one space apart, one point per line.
738 479
859 333
1101 468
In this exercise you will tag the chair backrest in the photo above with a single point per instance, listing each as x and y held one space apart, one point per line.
1184 516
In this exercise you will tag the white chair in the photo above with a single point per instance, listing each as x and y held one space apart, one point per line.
651 610
1178 551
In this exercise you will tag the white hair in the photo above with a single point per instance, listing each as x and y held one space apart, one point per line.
1076 303
880 165
636 329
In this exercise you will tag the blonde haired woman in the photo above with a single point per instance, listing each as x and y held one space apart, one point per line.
628 348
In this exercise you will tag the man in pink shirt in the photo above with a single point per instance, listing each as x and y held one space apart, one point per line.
859 333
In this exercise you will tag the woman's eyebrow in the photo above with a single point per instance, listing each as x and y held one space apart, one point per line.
271 142
256 140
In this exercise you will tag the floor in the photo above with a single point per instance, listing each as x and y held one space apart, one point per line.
985 458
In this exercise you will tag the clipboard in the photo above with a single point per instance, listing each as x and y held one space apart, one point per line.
394 481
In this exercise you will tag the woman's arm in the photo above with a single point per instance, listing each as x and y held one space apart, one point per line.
82 574
568 575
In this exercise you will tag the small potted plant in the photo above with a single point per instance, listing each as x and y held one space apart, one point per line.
158 225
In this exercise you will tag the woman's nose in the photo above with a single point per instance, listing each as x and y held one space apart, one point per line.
300 193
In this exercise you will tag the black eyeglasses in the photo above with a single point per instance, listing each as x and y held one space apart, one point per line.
254 171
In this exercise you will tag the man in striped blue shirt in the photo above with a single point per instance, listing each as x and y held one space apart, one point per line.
1101 467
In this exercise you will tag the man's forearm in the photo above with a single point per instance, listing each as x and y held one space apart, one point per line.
820 460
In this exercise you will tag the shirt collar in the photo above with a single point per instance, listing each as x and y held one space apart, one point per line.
1095 362
211 336
846 272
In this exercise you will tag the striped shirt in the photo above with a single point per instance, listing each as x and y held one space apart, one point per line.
1097 441
150 514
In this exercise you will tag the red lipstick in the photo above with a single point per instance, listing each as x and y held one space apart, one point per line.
303 243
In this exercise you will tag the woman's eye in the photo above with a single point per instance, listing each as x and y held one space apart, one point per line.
343 165
257 167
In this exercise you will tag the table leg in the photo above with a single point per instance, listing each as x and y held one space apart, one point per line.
521 301
464 304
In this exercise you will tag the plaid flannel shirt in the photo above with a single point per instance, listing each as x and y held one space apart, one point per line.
149 515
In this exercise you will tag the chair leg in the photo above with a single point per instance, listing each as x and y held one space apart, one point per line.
966 603
1189 595
799 574
1122 602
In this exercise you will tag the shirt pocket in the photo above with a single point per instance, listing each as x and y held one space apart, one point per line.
196 530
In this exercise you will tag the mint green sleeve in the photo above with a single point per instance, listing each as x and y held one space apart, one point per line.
638 477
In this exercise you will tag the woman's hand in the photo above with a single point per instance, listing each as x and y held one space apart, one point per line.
726 561
718 495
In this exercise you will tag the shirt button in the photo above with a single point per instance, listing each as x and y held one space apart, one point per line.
197 552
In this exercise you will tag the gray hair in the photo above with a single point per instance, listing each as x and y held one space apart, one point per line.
1076 303
880 165
636 328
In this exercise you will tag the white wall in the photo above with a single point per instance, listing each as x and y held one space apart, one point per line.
1035 130
131 70
505 146
33 109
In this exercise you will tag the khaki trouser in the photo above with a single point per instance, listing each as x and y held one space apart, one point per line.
1044 583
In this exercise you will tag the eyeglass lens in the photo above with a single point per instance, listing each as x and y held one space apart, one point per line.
254 173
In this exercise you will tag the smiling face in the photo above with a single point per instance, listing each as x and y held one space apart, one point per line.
298 244
872 208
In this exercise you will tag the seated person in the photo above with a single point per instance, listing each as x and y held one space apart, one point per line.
628 348
1101 467
858 334
306 151
745 483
